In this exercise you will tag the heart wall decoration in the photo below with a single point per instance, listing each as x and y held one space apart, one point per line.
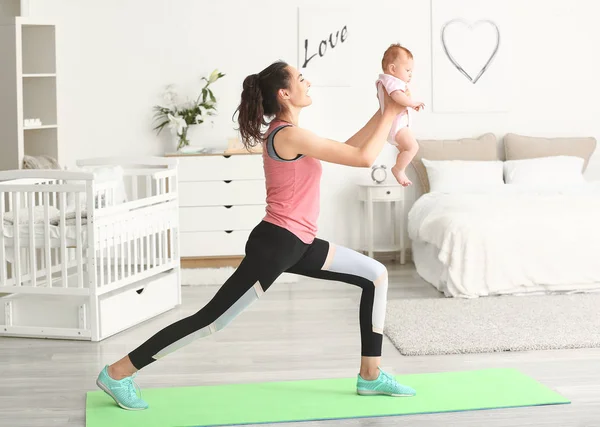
471 50
471 27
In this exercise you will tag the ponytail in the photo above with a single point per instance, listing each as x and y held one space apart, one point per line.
251 113
259 101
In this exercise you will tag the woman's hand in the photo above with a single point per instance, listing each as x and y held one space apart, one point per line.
391 106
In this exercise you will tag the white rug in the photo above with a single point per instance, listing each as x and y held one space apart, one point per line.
491 324
218 276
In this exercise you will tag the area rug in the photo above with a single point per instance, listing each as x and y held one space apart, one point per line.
493 324
323 399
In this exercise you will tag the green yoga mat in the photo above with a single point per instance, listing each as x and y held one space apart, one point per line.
274 402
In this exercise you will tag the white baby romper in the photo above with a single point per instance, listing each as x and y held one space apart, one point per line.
390 84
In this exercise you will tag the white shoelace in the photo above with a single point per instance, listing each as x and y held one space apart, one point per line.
133 388
389 380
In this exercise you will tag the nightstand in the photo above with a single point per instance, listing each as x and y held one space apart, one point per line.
393 194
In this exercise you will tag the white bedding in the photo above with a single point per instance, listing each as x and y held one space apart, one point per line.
512 240
39 232
39 228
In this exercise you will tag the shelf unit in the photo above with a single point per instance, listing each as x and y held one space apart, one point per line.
28 84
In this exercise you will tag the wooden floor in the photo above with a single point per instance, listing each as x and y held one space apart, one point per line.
301 330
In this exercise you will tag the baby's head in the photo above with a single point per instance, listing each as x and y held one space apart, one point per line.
398 62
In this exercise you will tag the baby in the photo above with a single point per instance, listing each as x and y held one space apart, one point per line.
397 66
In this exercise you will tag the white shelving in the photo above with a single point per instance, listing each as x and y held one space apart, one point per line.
29 81
38 75
40 127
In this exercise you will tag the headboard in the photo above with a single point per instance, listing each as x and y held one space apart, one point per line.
483 148
518 147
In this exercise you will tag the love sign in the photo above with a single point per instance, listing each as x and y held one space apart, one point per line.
325 45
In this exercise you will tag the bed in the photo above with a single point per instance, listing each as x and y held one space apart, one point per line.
506 227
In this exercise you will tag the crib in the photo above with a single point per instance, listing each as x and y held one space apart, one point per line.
85 255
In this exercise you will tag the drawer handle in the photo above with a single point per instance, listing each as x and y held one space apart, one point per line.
228 231
139 291
227 181
387 192
227 156
228 206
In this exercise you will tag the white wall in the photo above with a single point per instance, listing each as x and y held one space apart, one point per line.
115 56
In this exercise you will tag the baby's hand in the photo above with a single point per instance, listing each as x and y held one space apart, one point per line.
417 106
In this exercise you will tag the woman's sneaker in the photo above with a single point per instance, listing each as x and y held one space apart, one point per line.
122 391
384 384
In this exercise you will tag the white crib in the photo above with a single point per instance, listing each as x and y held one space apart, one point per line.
90 263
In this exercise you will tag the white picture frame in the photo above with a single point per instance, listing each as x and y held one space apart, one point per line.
470 56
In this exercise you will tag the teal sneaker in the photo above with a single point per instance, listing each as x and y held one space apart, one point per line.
122 391
384 384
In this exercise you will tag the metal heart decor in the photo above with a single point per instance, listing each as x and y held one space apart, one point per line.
471 27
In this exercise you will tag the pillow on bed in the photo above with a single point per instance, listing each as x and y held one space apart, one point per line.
461 176
545 172
518 147
482 148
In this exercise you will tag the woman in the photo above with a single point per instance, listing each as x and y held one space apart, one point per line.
285 241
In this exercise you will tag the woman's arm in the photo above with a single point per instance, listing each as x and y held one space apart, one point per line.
360 137
292 141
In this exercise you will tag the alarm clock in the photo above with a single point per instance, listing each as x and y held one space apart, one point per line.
378 173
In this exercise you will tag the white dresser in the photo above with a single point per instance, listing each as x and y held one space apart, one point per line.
221 199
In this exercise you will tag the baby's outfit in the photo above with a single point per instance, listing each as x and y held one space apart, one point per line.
390 84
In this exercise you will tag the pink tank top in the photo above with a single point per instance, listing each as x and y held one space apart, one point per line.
293 189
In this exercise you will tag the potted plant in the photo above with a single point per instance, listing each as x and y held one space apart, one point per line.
178 117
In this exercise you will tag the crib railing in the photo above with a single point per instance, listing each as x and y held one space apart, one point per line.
35 248
137 239
81 236
143 177
135 244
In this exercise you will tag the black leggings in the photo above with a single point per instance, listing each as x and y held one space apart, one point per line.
270 251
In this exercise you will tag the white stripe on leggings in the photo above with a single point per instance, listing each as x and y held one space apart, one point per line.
346 261
251 295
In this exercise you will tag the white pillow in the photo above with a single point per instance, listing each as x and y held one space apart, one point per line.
463 176
545 172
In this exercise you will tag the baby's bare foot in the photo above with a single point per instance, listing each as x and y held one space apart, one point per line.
401 177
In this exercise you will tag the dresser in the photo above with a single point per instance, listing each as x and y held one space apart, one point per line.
221 199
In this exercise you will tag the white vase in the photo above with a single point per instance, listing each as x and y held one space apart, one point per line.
194 134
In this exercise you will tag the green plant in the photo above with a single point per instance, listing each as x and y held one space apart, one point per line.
179 116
